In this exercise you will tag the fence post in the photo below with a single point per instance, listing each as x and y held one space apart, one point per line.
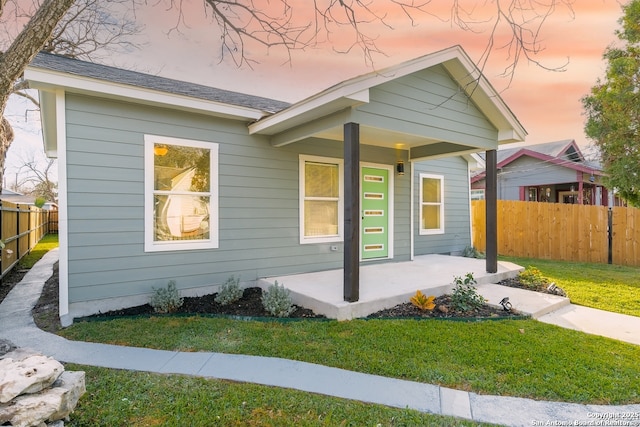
610 234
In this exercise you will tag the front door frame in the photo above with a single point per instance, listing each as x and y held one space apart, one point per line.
390 200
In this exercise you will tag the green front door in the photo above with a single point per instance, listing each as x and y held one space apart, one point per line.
375 213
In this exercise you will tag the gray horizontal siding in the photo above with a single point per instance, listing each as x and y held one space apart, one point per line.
457 233
430 104
528 171
258 199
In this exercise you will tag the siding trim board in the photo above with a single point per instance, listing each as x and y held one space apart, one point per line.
104 141
59 115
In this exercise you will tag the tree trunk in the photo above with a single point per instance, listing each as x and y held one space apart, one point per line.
16 58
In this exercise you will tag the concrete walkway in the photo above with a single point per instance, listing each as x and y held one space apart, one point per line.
17 326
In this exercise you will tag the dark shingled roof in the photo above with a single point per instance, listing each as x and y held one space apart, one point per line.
117 75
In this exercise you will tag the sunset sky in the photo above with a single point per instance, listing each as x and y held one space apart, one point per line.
546 102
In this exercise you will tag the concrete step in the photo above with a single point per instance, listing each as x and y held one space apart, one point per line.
534 304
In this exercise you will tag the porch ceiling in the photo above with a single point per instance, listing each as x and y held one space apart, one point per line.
418 146
379 137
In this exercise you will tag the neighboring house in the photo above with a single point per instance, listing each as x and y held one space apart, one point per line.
555 172
23 199
166 180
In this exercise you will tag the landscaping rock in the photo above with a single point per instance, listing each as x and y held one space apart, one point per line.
24 371
53 404
72 382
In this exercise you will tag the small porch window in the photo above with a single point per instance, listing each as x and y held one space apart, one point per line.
431 204
181 203
321 204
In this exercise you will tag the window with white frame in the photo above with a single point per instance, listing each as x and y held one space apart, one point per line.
431 204
477 194
181 194
321 204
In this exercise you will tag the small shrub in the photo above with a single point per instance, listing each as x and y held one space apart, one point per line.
40 202
465 296
166 300
277 301
532 278
422 301
229 292
471 252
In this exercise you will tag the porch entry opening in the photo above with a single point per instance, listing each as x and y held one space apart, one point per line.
375 213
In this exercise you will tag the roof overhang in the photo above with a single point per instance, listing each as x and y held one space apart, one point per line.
50 80
325 109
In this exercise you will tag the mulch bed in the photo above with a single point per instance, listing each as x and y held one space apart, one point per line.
250 305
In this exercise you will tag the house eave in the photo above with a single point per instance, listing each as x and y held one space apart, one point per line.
50 80
313 108
355 91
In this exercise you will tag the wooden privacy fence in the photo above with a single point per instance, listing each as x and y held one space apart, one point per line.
21 228
562 231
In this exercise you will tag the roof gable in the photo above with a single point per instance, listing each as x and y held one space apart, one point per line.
565 153
356 91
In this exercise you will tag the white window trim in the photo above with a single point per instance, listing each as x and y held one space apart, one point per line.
153 246
301 180
424 231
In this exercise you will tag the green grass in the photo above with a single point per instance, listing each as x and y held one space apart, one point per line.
606 287
48 242
522 358
118 398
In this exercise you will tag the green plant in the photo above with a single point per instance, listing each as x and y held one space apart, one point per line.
422 301
277 301
472 252
229 292
40 202
465 296
166 300
532 278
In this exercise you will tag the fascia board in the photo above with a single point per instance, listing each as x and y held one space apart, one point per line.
49 80
312 108
49 123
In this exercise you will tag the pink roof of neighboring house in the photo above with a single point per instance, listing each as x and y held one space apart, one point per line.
565 153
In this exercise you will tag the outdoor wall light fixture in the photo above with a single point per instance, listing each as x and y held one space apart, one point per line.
400 167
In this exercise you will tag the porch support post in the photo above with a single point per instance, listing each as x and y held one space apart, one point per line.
491 196
351 212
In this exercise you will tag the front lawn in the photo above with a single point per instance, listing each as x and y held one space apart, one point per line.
606 287
119 398
522 358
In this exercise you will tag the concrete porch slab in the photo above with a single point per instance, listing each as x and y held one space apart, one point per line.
385 285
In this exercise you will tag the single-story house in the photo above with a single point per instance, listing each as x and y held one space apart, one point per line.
554 172
167 180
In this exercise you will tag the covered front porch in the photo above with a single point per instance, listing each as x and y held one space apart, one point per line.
438 106
385 285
